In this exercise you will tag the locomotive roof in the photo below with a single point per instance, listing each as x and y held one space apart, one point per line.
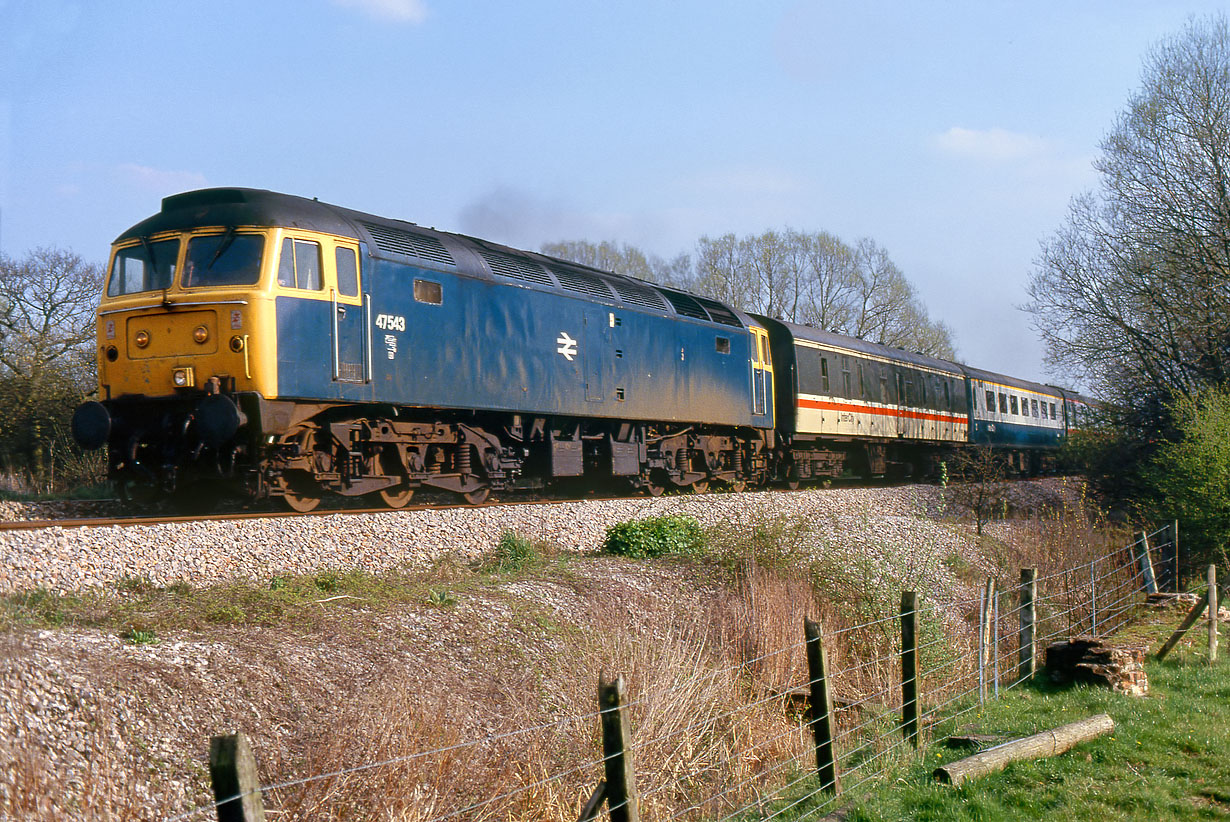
430 248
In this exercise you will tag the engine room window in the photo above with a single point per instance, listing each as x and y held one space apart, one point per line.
144 267
722 345
300 265
347 272
223 259
425 291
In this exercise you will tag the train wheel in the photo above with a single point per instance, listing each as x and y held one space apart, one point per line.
478 496
738 486
301 500
654 490
700 486
397 496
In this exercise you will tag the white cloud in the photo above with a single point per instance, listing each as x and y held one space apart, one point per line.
160 181
398 11
993 145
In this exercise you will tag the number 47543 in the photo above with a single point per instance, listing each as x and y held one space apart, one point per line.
390 322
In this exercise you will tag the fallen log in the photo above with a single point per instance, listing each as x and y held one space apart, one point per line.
1038 746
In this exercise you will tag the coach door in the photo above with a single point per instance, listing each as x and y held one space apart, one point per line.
762 377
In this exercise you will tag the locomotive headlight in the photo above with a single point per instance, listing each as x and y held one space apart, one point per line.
237 343
182 377
200 334
141 339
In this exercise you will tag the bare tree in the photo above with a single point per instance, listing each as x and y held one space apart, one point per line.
1132 293
47 302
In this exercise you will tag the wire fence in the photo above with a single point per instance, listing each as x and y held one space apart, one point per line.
754 757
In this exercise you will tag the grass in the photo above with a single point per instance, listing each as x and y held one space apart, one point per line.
1165 759
135 606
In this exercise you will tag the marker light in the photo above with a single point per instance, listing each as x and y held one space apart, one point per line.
237 343
200 333
141 339
182 377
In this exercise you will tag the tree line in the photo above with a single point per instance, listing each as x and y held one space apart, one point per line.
811 278
1132 292
47 302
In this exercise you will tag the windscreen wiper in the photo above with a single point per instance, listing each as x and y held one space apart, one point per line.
227 239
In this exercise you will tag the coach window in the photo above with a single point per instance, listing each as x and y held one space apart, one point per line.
991 401
1053 411
845 384
824 374
347 272
1012 402
1033 405
862 384
947 396
1024 406
1003 403
300 265
426 291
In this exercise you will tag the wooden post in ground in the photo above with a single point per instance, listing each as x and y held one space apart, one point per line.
1093 598
1212 575
1025 656
232 770
1174 540
622 800
1188 622
1146 563
984 639
909 666
821 699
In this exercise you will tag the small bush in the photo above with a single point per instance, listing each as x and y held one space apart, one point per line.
655 537
513 552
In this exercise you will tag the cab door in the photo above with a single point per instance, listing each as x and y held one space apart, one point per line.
350 326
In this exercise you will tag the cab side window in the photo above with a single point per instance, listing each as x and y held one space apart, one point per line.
300 265
347 272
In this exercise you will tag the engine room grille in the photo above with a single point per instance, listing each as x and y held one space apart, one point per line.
634 293
719 313
685 305
582 282
396 241
507 265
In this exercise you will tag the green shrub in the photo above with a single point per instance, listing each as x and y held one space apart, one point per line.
513 552
655 536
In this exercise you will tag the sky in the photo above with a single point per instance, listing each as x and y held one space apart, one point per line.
954 134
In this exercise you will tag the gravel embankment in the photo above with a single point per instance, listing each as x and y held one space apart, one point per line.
71 559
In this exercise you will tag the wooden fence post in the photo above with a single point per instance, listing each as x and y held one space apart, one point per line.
232 770
984 638
1029 582
622 800
909 666
1212 575
1093 598
1146 563
1174 539
821 700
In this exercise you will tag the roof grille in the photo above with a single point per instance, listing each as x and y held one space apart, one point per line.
507 265
685 305
397 241
719 313
634 293
582 282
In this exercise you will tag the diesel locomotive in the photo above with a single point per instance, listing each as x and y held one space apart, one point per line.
293 349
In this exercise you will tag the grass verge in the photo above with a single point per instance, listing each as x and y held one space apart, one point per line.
1165 759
